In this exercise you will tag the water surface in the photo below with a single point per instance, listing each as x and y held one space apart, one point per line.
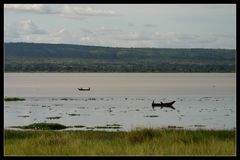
203 100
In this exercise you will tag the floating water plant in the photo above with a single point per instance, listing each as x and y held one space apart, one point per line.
73 114
43 126
91 128
53 118
173 127
92 99
14 99
78 126
64 99
25 116
199 125
115 124
109 126
151 116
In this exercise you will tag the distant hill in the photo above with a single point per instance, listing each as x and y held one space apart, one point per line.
40 57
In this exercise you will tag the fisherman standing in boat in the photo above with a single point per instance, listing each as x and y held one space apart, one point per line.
153 105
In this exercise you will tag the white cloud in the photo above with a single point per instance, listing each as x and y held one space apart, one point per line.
61 36
27 31
22 31
36 8
62 10
85 11
101 33
28 27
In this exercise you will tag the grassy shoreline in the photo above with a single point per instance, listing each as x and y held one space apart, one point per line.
146 141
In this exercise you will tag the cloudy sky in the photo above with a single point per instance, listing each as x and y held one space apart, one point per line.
123 25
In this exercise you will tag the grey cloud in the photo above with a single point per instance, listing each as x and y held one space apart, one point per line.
131 25
86 31
107 31
150 25
179 37
133 36
10 34
171 39
176 40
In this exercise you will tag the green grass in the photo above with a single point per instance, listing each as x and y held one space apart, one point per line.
136 142
14 99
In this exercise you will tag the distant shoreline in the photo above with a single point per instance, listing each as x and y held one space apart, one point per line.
40 57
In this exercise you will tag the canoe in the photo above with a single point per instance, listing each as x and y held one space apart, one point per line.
169 104
84 89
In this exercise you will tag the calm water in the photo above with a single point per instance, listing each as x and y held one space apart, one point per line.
203 100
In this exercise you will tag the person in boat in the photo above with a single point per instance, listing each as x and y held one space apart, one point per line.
153 105
84 89
162 105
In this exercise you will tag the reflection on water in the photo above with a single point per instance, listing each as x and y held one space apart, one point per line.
121 101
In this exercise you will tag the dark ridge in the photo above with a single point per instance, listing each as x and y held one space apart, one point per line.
43 57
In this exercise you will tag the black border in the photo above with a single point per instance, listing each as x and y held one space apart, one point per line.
119 2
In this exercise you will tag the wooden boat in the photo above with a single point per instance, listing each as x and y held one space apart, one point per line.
84 89
169 104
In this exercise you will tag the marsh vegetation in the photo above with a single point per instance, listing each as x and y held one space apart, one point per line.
145 141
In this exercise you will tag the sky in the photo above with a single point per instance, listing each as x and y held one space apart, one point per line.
123 25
